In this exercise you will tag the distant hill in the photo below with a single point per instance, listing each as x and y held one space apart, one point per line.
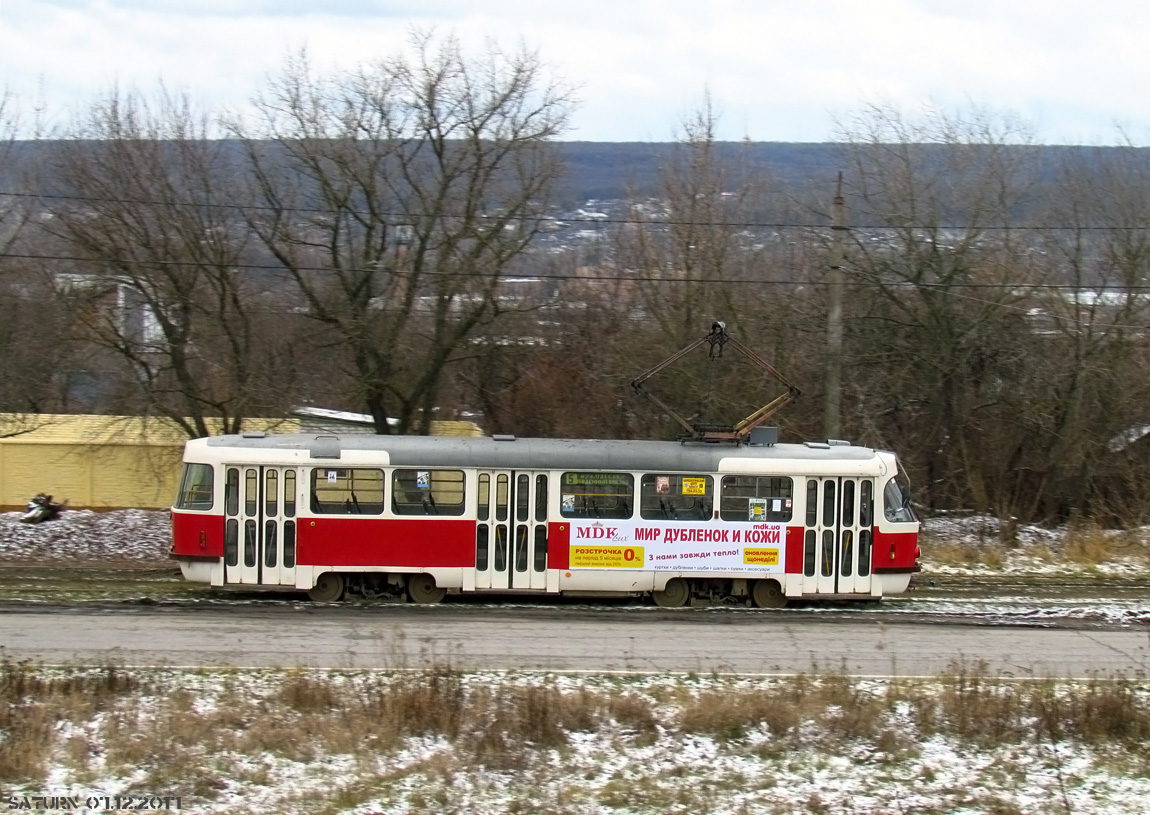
606 170
600 170
612 170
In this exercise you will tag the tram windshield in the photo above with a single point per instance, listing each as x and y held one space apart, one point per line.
896 502
196 487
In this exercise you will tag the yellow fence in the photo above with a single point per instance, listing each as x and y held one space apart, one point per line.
107 462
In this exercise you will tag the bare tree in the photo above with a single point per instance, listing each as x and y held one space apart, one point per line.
684 248
14 203
935 321
693 258
397 195
146 207
1086 392
564 375
32 332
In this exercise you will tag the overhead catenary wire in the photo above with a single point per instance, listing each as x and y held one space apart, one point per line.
866 281
950 289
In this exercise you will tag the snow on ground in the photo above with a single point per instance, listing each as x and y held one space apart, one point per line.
607 768
993 546
138 535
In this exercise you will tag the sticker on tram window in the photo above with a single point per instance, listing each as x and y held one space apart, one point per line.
694 486
423 479
756 509
662 483
332 476
568 503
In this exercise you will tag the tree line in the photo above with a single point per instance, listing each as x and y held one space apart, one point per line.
375 244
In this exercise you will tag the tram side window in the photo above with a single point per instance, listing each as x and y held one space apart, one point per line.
347 491
596 495
427 492
756 498
196 487
676 497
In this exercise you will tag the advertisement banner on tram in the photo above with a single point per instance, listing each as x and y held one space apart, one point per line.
719 546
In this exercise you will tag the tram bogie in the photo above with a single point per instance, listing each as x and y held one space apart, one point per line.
418 518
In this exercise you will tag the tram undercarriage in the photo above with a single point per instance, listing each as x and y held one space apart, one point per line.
677 592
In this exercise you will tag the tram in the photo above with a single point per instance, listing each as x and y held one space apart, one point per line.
756 523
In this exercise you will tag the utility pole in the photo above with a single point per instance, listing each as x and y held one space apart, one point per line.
832 420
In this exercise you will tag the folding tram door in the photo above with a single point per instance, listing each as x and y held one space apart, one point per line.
511 530
260 529
838 538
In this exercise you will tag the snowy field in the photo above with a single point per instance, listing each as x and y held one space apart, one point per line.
636 744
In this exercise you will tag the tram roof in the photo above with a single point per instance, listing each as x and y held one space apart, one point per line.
529 453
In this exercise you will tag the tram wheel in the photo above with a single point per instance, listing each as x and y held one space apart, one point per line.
421 588
768 594
327 589
676 593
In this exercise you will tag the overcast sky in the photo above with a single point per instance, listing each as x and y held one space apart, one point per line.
776 70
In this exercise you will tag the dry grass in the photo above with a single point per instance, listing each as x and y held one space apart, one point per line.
967 704
969 555
978 708
1084 545
231 728
32 702
827 710
1091 546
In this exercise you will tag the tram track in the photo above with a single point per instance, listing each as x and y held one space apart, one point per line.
99 615
1047 603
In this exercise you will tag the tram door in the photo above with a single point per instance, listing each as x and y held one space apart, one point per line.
511 530
838 536
260 530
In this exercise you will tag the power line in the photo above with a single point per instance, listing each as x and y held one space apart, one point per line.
872 282
539 308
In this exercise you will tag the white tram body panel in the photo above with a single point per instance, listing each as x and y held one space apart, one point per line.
422 516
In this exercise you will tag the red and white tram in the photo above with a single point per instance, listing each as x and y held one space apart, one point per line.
421 517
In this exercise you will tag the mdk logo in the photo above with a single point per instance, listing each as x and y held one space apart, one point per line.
596 532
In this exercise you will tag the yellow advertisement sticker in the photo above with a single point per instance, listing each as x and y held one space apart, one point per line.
694 486
761 557
607 557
